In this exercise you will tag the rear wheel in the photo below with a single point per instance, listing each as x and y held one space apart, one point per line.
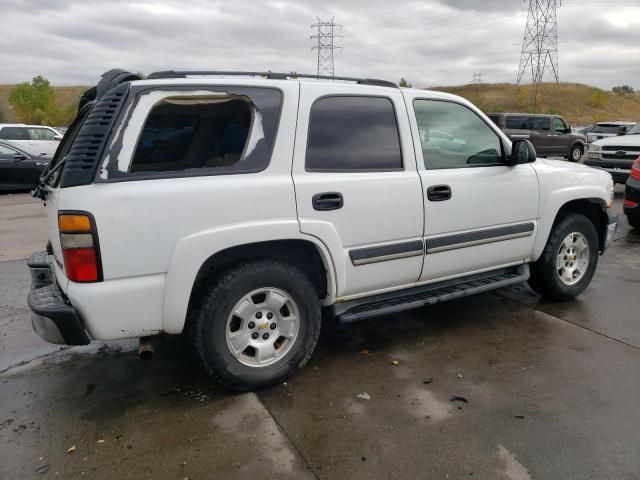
634 221
569 260
576 153
256 325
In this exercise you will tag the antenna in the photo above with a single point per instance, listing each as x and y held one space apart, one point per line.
325 36
540 41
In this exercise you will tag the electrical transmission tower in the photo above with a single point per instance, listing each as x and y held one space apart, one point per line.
477 79
540 42
325 36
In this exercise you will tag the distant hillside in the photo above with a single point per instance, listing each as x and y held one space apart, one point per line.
66 97
579 104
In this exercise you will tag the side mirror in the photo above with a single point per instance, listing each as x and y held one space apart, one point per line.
522 151
58 137
18 157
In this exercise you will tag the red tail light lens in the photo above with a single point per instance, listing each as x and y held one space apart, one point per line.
635 169
81 264
79 242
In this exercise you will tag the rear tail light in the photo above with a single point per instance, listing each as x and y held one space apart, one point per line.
635 169
629 204
79 242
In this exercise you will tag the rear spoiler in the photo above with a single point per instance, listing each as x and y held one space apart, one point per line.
108 81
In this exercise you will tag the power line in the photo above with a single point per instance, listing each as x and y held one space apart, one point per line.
325 36
540 41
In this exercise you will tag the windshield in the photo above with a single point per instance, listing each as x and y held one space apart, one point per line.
635 130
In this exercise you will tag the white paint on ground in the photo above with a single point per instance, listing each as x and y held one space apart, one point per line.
421 403
514 470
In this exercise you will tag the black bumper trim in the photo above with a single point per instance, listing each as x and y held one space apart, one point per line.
48 302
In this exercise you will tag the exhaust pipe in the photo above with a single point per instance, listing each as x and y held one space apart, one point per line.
145 350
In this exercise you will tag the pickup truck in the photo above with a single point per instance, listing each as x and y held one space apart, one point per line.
242 208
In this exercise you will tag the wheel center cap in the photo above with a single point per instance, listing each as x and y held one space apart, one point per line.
263 326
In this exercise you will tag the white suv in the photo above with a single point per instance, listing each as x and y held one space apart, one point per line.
240 207
36 138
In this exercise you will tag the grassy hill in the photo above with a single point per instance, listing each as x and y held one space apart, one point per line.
579 104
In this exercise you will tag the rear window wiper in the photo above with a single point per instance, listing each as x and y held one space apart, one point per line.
41 190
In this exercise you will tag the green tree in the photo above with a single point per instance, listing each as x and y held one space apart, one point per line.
623 90
403 83
35 102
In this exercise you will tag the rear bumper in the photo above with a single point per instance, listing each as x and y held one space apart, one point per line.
53 317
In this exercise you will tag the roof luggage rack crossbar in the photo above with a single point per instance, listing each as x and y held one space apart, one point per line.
269 75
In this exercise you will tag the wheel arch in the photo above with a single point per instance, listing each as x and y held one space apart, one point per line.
186 276
595 209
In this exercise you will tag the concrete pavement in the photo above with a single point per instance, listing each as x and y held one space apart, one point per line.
497 386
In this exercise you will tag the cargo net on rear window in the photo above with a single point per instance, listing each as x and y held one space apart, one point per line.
193 133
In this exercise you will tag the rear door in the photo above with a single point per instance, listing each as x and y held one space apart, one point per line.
357 188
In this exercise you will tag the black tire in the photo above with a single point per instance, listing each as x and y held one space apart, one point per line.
208 323
634 221
577 148
544 275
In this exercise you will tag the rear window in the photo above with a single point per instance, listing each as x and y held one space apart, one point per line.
206 135
15 133
495 119
353 133
605 128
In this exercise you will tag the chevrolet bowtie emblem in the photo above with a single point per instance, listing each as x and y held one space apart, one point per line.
263 326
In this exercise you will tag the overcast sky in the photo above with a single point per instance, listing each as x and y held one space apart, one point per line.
430 42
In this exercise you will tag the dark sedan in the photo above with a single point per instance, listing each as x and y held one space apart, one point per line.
632 196
19 168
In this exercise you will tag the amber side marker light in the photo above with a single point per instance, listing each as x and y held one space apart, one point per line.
79 242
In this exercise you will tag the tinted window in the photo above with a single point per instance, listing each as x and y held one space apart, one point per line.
15 133
209 134
495 119
453 136
539 123
516 122
353 133
606 128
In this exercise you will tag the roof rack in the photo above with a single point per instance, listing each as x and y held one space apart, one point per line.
269 75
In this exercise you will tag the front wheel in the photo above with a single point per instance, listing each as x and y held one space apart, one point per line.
568 261
575 153
256 325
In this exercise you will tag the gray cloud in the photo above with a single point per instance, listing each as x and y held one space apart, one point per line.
436 43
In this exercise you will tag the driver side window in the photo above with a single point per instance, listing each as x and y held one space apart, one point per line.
558 125
453 136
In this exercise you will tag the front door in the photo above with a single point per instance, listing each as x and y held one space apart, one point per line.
480 213
357 188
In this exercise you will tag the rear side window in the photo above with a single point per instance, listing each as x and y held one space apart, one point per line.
539 123
516 122
208 134
15 133
353 133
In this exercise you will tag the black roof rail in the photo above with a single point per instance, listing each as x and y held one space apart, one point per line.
269 75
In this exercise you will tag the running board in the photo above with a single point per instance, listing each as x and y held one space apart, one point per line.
388 303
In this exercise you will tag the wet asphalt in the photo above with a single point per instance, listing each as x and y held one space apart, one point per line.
497 386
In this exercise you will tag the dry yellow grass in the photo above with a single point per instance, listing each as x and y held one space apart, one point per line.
579 104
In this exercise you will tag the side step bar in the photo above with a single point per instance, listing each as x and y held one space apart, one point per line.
385 304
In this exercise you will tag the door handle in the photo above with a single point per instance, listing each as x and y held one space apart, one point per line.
327 201
439 193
